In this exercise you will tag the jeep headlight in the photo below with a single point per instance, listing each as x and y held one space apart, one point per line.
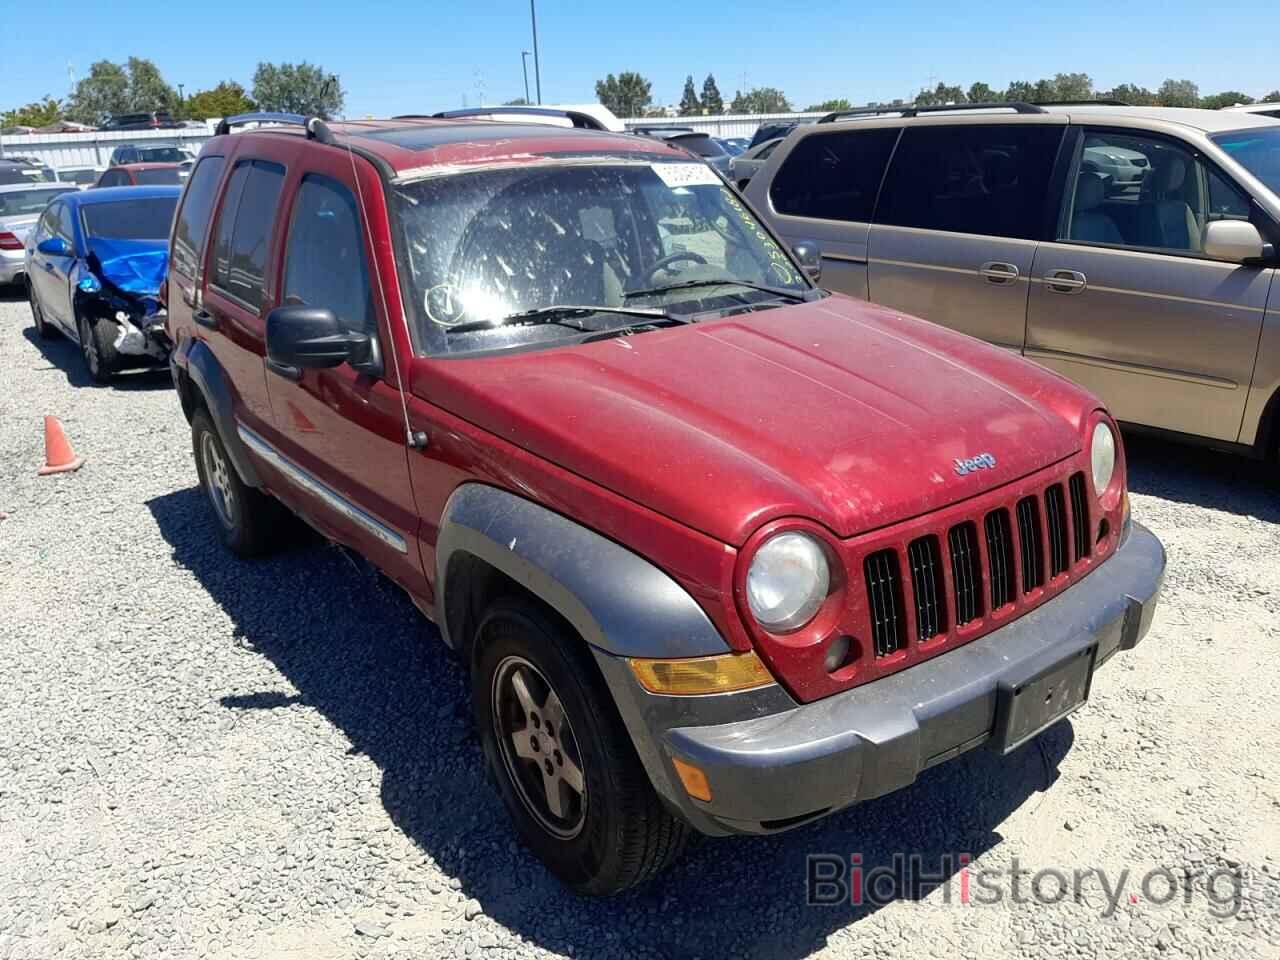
1103 454
787 581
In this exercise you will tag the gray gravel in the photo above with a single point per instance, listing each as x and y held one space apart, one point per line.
200 756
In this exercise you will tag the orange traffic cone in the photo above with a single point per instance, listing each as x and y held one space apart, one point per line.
58 455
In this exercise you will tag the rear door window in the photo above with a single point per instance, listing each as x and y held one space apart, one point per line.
986 180
244 231
324 257
833 176
193 219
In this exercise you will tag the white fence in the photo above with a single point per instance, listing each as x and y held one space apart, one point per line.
94 148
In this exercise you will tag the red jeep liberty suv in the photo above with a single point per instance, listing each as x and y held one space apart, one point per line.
722 552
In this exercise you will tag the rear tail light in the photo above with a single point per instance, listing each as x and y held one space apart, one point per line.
9 241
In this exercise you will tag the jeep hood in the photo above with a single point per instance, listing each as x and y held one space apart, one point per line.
835 410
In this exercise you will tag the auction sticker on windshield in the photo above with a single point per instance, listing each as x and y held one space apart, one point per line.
685 174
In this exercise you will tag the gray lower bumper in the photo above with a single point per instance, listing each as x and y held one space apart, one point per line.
787 763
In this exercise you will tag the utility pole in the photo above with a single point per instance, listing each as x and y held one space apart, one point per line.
537 69
524 64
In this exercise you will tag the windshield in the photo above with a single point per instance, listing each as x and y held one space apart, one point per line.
158 176
1258 151
146 219
19 202
486 246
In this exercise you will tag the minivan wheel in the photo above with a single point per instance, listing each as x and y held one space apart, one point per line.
565 766
247 518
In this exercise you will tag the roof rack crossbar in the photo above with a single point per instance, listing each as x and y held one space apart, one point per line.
908 110
583 121
316 128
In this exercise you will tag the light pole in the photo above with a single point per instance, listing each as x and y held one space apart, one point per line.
524 64
537 70
181 100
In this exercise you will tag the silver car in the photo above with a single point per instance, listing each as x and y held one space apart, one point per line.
1134 250
20 207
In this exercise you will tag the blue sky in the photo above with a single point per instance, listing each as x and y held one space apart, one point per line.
396 58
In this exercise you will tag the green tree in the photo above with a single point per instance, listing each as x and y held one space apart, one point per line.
1272 97
1072 86
760 100
517 102
1228 98
303 88
1021 91
1131 94
690 105
1178 93
113 88
147 88
939 95
712 102
626 95
829 106
225 100
38 114
981 93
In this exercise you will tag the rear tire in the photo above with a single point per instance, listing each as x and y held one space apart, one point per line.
613 834
43 330
250 523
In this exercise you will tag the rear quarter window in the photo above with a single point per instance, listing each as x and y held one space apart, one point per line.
833 176
986 180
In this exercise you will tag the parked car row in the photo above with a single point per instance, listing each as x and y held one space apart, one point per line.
723 552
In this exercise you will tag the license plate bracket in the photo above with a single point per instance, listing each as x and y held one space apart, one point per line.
1029 705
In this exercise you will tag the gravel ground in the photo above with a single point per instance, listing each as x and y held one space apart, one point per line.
202 756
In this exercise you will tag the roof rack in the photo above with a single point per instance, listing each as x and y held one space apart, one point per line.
583 121
1082 103
316 128
1017 106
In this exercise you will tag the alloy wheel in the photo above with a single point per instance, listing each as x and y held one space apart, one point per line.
218 480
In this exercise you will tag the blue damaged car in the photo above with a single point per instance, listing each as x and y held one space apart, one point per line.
94 265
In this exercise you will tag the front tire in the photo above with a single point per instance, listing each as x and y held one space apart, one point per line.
98 349
248 520
565 766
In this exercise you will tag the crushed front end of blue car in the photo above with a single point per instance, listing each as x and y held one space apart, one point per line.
119 281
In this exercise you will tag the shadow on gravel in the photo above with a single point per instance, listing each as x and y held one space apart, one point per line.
1208 478
357 651
13 292
64 355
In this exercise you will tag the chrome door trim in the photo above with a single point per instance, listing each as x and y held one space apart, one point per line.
1038 353
917 265
1168 297
314 485
1061 280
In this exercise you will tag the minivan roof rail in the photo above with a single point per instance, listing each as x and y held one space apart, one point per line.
316 128
583 121
907 110
1100 102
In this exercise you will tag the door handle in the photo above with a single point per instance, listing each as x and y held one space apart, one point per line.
999 272
284 370
1066 281
48 267
205 319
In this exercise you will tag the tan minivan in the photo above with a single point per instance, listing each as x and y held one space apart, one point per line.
1132 249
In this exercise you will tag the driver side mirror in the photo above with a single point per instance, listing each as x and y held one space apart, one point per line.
301 338
54 247
810 256
1235 241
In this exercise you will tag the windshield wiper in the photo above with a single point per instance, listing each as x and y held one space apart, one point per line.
689 284
562 312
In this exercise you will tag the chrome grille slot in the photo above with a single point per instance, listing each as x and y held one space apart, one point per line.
1080 515
1030 544
884 596
966 571
924 556
1000 557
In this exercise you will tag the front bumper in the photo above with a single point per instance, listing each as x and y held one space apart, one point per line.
12 268
772 763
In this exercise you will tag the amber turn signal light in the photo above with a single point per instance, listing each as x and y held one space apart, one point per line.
694 780
691 676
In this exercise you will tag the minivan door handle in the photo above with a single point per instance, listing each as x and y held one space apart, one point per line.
997 271
205 319
1066 281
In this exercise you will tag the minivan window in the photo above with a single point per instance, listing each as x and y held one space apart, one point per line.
324 259
990 180
193 218
1257 150
240 254
833 176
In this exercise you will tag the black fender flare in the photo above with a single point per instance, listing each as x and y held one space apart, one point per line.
210 380
618 602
